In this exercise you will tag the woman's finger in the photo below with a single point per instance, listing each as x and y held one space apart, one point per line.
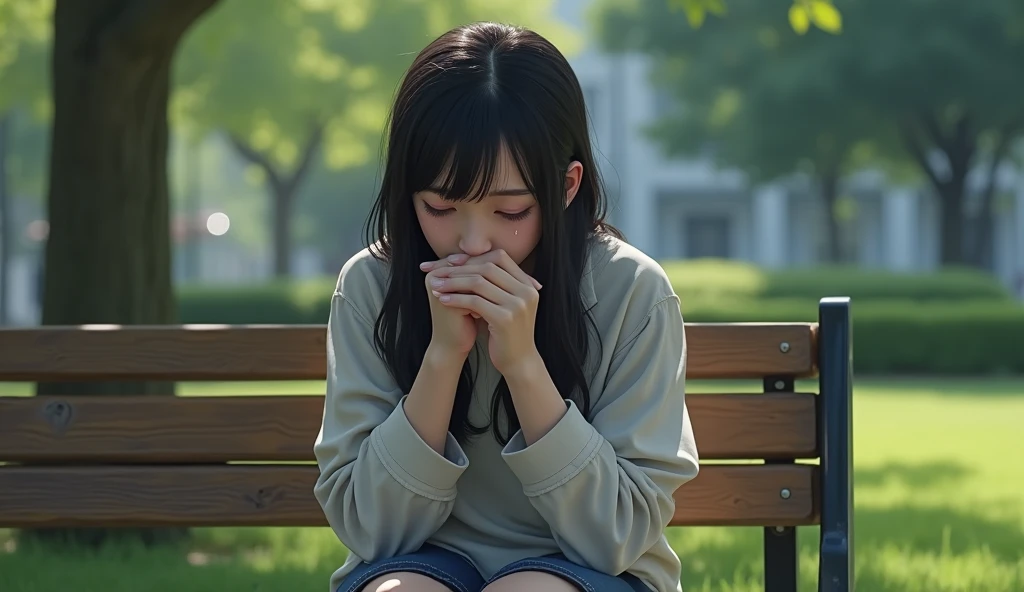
502 259
492 313
449 261
475 284
495 275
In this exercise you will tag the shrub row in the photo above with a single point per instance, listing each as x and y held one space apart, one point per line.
716 278
290 303
891 336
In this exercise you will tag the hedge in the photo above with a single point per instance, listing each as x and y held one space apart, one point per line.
982 335
716 278
295 303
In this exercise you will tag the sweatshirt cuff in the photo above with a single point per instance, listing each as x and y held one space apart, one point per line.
413 463
557 457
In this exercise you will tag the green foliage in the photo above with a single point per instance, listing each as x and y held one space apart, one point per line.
765 100
926 107
802 13
24 44
304 85
269 72
822 13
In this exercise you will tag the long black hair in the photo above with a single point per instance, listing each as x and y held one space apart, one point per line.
472 91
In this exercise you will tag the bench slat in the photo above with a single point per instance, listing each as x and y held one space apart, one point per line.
297 352
283 428
249 495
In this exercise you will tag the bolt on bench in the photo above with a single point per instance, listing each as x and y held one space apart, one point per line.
114 461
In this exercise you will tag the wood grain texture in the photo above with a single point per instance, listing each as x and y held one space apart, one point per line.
751 350
731 495
283 428
249 495
190 352
298 352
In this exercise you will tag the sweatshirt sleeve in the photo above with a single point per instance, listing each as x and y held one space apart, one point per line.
383 490
605 488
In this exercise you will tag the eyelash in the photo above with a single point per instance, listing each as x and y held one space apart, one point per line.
510 217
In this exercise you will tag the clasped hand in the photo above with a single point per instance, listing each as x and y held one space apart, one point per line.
491 287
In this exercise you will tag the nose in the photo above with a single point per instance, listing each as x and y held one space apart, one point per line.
474 239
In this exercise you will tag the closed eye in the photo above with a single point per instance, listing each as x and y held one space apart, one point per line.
436 212
517 216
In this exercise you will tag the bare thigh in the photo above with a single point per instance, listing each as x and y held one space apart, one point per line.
403 581
535 581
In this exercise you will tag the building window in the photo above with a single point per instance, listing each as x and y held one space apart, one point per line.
708 236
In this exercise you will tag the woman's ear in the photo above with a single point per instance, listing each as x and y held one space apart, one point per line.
573 179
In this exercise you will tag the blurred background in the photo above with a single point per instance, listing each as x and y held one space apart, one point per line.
221 160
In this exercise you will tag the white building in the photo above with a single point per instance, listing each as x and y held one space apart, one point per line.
675 208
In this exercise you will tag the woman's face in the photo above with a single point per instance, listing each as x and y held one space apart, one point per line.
507 217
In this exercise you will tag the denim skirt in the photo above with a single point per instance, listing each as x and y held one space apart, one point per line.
458 574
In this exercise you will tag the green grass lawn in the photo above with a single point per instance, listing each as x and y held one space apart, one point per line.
939 502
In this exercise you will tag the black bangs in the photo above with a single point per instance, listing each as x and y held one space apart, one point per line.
455 148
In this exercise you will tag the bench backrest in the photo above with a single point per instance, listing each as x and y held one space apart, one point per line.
158 460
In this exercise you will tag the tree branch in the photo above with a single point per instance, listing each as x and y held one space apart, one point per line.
1005 137
934 130
153 23
255 157
283 184
919 154
316 136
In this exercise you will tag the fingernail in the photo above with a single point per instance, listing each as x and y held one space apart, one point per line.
435 292
436 282
426 265
458 258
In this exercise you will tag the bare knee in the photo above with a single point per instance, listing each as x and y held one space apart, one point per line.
403 581
537 581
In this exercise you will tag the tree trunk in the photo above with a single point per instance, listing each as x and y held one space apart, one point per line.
830 194
108 257
958 146
981 249
951 226
6 224
282 199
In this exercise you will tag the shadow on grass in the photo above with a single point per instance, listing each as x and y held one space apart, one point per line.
889 541
915 475
153 571
206 564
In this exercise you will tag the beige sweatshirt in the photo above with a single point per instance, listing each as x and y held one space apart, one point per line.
599 491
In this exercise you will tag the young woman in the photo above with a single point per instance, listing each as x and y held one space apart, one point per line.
505 392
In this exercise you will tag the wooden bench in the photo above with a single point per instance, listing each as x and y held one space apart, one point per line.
111 461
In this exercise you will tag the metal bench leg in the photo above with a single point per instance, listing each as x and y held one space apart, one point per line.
781 563
835 347
781 560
